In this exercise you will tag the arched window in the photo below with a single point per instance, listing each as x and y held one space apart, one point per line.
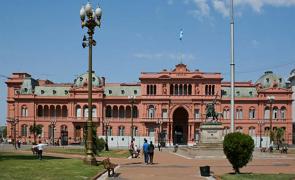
135 131
52 111
135 112
190 89
180 90
155 90
63 128
226 130
266 113
64 111
85 111
109 111
94 113
151 111
110 130
78 111
283 112
239 113
128 112
24 111
58 111
239 129
148 90
251 131
176 89
121 112
24 130
213 89
226 113
151 131
252 113
275 113
206 90
40 111
46 111
115 111
185 89
121 131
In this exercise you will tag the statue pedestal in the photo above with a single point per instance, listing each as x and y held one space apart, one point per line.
211 135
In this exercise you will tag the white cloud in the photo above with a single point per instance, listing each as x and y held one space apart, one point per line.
220 6
203 7
163 56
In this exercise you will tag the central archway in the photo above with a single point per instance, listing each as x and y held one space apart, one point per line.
180 126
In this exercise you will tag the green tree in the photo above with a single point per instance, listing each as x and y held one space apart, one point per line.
238 149
279 134
36 130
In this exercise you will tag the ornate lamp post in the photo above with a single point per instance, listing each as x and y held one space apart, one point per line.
52 124
13 123
132 101
260 124
270 100
106 123
90 19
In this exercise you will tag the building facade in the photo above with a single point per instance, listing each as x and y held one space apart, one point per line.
169 105
291 79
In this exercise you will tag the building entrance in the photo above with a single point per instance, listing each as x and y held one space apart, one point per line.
180 126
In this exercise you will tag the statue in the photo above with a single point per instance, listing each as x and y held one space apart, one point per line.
210 110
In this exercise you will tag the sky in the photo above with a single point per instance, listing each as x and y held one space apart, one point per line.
43 38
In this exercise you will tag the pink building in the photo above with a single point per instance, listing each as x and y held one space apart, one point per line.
171 102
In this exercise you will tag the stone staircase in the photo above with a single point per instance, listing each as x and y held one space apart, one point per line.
208 146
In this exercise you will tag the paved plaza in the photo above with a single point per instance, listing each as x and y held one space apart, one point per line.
186 163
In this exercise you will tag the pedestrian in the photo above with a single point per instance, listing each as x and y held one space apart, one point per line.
159 146
18 143
145 150
151 152
40 147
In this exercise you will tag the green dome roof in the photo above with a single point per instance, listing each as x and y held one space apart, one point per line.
82 80
269 79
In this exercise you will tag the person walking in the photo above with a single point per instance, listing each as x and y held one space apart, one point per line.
151 152
145 150
40 148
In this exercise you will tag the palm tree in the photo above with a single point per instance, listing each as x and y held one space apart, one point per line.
36 130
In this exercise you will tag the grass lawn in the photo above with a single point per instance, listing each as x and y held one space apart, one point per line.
258 177
111 153
27 167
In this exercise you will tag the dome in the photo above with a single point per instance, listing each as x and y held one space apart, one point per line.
269 79
82 80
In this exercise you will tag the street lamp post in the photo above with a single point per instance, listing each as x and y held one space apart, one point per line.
90 19
270 101
53 123
160 121
106 123
13 123
132 101
260 124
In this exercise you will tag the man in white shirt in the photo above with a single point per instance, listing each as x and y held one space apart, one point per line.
40 147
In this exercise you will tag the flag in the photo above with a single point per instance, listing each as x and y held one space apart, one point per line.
181 34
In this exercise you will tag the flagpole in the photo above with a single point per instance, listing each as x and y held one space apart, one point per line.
232 69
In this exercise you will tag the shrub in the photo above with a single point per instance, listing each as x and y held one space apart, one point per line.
97 143
238 149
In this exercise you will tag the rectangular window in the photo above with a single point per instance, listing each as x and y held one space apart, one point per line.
164 113
197 113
